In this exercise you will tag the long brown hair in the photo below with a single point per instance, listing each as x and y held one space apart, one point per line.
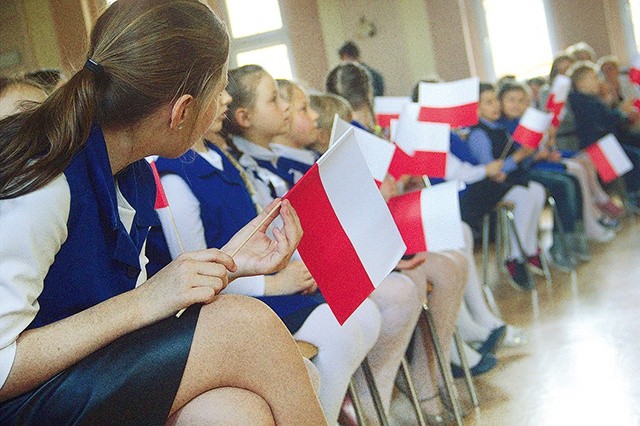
150 52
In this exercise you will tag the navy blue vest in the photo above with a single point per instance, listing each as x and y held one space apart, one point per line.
225 203
99 259
289 168
266 164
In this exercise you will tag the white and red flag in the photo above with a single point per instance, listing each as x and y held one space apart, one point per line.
454 103
634 70
558 97
533 124
387 108
429 220
350 241
421 147
376 151
609 158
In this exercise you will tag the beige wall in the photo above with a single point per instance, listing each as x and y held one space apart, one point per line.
415 39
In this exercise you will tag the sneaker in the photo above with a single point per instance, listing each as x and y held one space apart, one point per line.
535 264
561 260
611 209
519 278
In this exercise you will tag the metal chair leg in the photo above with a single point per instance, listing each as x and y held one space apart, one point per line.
357 405
557 223
445 369
375 395
415 401
465 368
488 294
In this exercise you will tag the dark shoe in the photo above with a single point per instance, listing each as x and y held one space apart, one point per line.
487 362
611 224
493 341
561 259
579 246
518 275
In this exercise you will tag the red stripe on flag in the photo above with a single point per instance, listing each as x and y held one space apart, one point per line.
599 159
384 120
634 75
407 214
161 197
527 137
457 116
636 104
430 163
326 249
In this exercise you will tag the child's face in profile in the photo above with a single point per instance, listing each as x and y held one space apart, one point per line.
589 83
489 107
269 115
515 103
303 128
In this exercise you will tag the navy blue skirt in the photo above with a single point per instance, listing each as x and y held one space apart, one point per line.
293 309
131 381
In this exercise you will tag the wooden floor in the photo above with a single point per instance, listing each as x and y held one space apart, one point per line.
581 365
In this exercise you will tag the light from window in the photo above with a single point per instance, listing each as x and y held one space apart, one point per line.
250 17
634 8
519 37
274 59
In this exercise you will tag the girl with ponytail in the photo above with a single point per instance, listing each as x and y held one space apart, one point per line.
85 338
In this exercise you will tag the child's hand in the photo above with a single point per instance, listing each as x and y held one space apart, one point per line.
294 278
389 188
261 255
494 168
555 156
408 264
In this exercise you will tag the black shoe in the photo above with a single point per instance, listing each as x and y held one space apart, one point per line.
518 275
493 341
486 363
561 259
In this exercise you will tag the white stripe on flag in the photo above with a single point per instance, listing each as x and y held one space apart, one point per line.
393 129
618 159
536 120
339 128
347 183
413 135
441 218
560 88
445 95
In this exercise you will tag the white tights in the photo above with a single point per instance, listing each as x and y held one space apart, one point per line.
592 194
341 350
529 202
400 303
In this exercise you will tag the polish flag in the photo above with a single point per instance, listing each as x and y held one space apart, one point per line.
558 97
454 103
161 197
422 147
634 71
429 220
532 127
376 151
350 242
388 108
609 158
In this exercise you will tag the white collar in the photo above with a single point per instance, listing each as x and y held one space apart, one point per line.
253 150
212 158
297 154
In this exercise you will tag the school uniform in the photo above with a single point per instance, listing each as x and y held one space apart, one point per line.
68 246
212 203
293 162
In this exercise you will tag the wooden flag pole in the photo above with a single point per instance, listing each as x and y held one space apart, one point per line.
246 240
506 149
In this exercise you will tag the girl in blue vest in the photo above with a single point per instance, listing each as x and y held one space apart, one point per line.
397 298
85 338
199 187
292 148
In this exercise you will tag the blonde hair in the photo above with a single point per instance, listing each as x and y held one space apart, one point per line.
149 52
327 105
578 71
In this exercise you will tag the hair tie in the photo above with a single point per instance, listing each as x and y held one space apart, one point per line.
93 66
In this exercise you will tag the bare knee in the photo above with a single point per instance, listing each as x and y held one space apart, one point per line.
224 406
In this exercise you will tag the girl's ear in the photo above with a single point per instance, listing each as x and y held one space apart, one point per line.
181 111
242 117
